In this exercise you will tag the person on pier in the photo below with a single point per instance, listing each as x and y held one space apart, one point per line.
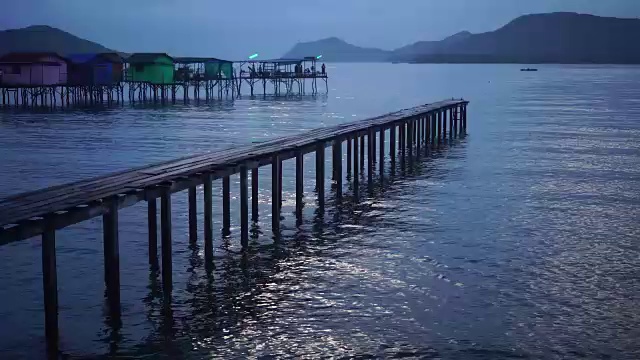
324 69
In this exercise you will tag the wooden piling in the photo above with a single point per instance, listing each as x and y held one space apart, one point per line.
450 123
362 152
337 167
444 125
356 170
112 255
373 145
410 132
165 225
244 208
349 155
152 223
370 151
254 194
417 123
275 194
226 206
208 218
50 286
403 145
381 163
320 175
392 148
193 215
299 184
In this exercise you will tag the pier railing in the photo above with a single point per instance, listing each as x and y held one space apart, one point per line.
42 212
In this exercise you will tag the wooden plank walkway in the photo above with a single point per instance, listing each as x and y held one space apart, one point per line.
23 215
42 212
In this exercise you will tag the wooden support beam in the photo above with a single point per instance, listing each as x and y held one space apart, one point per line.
112 255
403 145
320 175
254 194
427 135
152 223
337 167
193 215
370 152
165 224
349 156
410 132
373 145
208 218
50 287
417 123
392 148
356 170
381 163
244 208
362 157
226 206
299 185
275 195
451 123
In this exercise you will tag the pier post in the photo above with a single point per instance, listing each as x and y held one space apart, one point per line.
444 126
440 136
418 125
370 152
356 170
165 224
275 198
464 119
337 167
244 208
349 156
208 218
320 175
50 286
112 255
373 145
299 185
427 130
254 194
392 148
152 223
362 152
226 206
193 215
455 121
381 163
410 132
403 146
450 123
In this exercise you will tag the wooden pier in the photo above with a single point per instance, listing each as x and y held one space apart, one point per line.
401 135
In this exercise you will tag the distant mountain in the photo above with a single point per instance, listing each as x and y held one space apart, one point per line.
42 38
414 50
334 49
539 38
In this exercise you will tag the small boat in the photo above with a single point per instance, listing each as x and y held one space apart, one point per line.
528 69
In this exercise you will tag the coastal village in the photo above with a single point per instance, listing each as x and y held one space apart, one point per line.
49 79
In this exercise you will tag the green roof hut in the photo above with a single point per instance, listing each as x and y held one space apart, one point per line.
154 68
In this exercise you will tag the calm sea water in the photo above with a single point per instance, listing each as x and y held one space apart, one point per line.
521 240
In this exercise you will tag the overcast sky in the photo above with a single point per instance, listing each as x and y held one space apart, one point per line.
234 29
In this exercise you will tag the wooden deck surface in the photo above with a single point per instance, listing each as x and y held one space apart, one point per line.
24 215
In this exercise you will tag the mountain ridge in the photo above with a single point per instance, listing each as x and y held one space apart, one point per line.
45 38
560 37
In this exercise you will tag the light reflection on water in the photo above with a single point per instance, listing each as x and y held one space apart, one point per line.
519 241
